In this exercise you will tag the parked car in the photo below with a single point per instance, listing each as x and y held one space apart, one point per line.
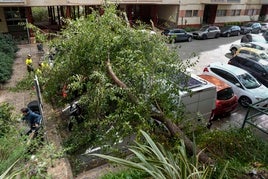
255 45
251 27
254 52
226 99
253 38
255 66
178 35
265 35
247 88
231 30
207 32
264 26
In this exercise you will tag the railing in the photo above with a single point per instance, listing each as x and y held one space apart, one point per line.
257 116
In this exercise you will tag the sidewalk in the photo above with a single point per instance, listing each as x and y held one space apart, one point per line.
61 167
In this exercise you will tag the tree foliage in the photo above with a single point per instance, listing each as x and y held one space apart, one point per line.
94 48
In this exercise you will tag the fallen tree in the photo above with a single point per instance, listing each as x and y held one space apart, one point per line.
120 103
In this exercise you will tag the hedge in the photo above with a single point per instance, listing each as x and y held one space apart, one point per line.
8 49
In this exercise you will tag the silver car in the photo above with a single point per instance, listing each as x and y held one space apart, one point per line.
207 32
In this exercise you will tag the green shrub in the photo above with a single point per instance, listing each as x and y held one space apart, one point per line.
9 152
233 23
7 44
8 49
241 148
40 14
128 173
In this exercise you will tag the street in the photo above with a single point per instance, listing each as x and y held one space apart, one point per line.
206 52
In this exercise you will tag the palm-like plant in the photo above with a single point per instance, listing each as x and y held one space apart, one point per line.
160 163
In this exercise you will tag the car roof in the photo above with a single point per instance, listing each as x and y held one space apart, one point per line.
250 57
229 68
247 56
217 82
250 49
260 44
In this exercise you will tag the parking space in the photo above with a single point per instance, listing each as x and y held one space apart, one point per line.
206 52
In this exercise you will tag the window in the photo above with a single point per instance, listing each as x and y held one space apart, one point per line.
248 64
191 13
235 12
258 68
244 52
221 12
195 13
188 13
227 76
225 94
248 81
251 12
238 12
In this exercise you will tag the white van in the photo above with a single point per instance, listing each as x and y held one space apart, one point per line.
201 100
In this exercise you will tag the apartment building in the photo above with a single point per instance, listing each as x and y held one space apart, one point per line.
176 13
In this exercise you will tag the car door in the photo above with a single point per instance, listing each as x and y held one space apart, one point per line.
233 31
211 32
231 80
180 35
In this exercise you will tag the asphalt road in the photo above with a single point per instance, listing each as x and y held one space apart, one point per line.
206 52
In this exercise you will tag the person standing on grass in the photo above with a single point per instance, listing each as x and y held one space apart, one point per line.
29 64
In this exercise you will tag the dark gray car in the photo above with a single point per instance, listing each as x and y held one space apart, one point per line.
177 35
207 32
251 27
231 30
255 66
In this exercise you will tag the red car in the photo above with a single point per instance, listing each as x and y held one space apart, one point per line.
226 99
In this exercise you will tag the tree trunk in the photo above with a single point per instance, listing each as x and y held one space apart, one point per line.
171 126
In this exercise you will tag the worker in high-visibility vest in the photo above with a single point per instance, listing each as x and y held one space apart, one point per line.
29 63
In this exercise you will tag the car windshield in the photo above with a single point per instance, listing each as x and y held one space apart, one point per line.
248 25
225 94
260 39
248 81
204 28
166 31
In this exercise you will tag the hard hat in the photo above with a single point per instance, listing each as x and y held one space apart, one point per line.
29 55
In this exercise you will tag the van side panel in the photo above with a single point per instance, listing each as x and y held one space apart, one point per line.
201 101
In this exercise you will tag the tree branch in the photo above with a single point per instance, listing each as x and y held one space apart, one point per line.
172 127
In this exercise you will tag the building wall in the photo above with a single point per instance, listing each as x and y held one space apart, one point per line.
194 20
173 11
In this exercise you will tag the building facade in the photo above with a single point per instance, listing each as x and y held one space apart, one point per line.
175 13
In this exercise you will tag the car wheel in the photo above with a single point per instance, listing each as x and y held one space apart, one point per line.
233 50
244 101
204 37
228 34
190 39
